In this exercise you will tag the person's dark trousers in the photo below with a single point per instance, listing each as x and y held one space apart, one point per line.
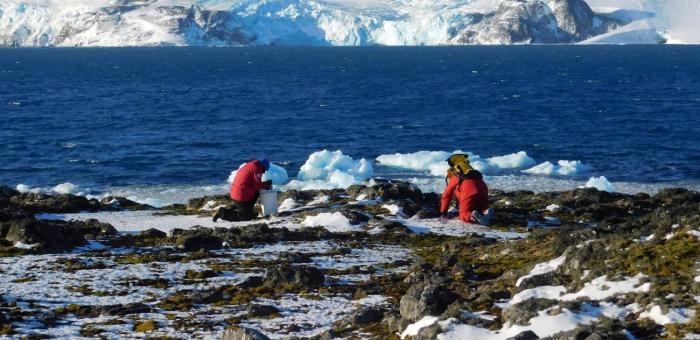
238 210
246 209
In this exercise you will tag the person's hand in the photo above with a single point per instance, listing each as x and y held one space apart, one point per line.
268 184
443 218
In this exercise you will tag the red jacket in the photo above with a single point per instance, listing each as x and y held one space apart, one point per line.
248 181
472 194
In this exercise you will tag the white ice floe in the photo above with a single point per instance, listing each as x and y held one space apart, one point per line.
563 168
414 328
330 170
334 222
69 188
455 227
434 162
601 183
543 268
597 289
674 315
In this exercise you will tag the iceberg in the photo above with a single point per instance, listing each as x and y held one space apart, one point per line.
295 22
434 162
601 183
563 168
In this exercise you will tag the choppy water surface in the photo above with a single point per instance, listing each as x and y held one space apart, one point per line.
171 116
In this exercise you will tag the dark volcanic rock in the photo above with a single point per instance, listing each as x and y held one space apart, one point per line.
92 228
121 310
242 333
425 298
200 241
256 310
526 335
358 319
299 276
354 217
42 203
7 192
251 282
153 233
48 236
123 203
294 257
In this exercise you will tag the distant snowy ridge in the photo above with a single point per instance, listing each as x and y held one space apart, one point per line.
296 22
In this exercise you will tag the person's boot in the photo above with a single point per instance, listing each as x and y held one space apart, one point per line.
218 214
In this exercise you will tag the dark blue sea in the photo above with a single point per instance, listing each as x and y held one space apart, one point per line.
104 118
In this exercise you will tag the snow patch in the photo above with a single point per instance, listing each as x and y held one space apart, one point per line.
543 268
674 315
333 222
414 328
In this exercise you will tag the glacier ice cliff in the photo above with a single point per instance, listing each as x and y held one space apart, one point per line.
297 22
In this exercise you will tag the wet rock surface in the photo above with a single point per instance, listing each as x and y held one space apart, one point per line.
592 264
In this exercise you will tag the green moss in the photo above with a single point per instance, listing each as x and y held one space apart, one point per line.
6 329
200 275
90 330
12 252
178 301
28 278
136 258
145 326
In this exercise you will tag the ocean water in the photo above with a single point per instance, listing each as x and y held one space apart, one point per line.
106 119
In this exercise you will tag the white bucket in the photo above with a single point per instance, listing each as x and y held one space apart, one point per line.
268 202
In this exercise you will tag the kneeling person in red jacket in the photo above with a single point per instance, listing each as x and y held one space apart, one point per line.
468 187
245 191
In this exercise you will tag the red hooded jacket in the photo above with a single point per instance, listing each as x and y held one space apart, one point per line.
248 181
472 194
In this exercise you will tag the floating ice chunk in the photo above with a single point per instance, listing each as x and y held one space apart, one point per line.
68 188
414 328
434 161
421 160
601 183
674 315
543 268
22 188
513 161
333 222
563 168
322 164
331 170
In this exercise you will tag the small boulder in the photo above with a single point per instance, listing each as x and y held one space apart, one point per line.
258 311
242 333
358 319
197 242
294 257
299 276
526 335
425 298
153 233
122 310
45 236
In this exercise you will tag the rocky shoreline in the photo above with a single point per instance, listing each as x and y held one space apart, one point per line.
365 262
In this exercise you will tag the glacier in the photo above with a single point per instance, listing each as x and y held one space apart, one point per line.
91 23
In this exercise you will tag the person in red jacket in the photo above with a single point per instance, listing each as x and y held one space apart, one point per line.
245 191
472 195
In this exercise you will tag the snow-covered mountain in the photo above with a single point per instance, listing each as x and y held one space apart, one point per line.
297 22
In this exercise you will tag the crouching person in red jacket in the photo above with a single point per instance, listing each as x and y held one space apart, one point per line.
245 191
467 186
